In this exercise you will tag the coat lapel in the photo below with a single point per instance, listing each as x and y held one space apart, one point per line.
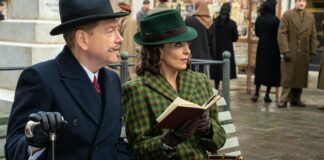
159 84
296 19
305 23
185 83
78 84
111 92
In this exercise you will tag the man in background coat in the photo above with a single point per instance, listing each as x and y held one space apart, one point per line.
162 5
297 43
127 28
75 85
143 12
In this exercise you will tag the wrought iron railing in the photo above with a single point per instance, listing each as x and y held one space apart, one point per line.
124 70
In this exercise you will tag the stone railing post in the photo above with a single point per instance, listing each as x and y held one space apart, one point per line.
124 67
226 78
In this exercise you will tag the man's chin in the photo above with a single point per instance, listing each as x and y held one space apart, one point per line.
113 61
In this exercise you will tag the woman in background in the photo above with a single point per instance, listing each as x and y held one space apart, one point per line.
225 33
267 68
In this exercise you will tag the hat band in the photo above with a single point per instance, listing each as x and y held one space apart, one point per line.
102 10
166 34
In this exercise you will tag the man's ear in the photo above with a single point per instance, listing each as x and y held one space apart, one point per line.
81 39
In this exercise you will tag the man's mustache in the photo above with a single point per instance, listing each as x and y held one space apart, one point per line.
116 48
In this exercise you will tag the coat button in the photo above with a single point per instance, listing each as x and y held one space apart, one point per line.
95 148
75 122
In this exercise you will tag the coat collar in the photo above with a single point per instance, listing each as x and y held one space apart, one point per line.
300 22
78 83
296 19
158 83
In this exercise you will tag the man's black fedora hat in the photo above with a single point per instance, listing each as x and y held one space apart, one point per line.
78 12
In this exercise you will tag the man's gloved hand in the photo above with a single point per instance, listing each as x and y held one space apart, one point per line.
203 127
48 122
175 136
287 57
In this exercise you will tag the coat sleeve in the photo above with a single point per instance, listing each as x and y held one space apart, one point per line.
235 35
211 40
276 25
138 125
283 35
313 39
256 29
31 96
217 140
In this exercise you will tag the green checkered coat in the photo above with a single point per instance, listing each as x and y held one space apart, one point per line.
147 97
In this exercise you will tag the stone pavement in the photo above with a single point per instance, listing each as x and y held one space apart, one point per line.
266 132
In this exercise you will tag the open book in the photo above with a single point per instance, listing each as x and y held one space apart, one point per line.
180 111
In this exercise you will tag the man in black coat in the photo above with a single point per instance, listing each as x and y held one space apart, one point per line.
202 22
74 87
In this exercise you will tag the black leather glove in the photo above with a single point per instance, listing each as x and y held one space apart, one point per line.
287 57
48 122
203 127
175 136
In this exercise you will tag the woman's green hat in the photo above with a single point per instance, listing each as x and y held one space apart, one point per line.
164 27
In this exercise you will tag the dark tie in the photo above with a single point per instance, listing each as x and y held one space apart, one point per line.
95 85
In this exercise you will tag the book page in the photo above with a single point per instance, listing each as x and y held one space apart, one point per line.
177 102
211 101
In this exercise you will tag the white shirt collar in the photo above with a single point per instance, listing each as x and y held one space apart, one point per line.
89 73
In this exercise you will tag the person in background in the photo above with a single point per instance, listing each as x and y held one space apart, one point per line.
267 68
1 11
225 33
143 12
201 22
163 5
74 87
163 75
321 72
127 28
297 43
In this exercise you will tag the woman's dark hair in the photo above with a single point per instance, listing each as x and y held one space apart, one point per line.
225 13
150 56
268 7
150 60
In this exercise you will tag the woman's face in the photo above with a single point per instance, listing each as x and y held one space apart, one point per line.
175 56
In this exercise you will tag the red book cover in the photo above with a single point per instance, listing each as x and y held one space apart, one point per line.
178 116
180 111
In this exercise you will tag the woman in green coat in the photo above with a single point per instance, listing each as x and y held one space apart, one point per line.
163 75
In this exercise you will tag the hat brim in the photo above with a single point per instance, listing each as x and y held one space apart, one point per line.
189 35
83 20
